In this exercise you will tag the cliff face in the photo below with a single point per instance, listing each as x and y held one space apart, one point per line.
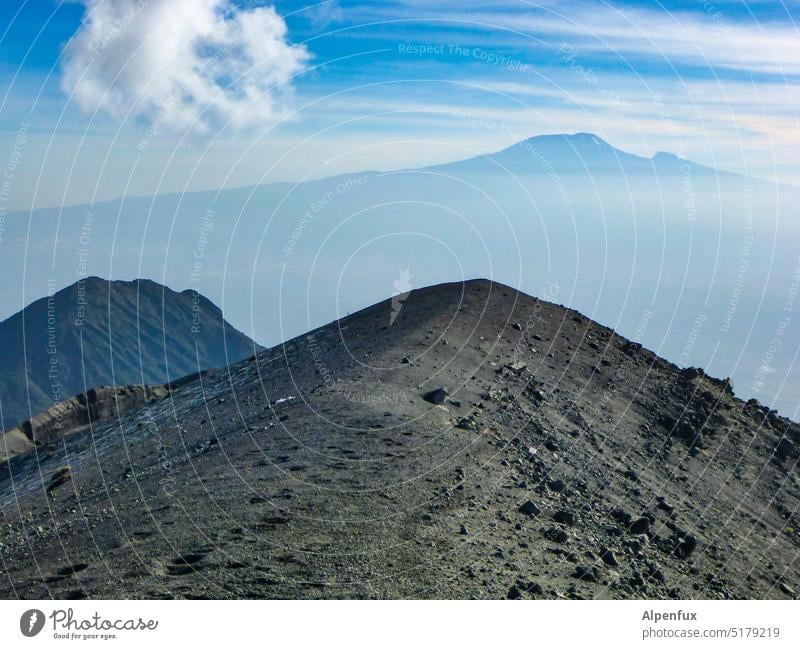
67 417
97 332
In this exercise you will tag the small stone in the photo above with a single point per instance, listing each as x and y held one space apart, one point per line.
517 366
619 514
514 593
636 580
530 587
61 476
587 573
639 526
786 449
609 558
685 546
557 535
466 423
564 517
655 574
529 508
436 397
663 505
634 546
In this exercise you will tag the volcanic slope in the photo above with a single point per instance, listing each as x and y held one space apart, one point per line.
98 332
562 462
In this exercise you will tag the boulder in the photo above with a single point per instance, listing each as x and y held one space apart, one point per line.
436 396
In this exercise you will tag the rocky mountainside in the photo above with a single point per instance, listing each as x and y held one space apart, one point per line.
97 332
461 441
70 416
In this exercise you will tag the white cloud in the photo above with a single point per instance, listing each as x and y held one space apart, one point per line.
324 14
182 63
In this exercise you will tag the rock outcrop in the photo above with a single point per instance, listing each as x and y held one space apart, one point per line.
67 417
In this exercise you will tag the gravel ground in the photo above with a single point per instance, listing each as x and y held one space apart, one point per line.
463 441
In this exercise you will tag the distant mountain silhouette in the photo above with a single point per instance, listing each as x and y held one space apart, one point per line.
579 153
98 332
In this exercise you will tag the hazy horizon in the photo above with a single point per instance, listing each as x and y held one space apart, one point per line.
419 140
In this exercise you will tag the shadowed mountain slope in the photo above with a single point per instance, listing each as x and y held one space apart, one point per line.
97 332
463 440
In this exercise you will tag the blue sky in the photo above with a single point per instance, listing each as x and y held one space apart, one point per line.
312 89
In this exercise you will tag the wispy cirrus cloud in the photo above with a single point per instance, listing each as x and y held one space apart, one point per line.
708 36
182 63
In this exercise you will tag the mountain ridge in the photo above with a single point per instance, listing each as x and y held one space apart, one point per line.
99 332
581 153
480 443
570 138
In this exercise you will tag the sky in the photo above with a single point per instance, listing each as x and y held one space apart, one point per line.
105 98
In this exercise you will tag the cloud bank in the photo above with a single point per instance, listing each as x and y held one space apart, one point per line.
196 64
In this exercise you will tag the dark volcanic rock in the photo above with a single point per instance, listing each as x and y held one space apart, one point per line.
60 477
557 535
663 505
436 396
609 558
564 517
529 508
786 449
639 526
685 545
587 573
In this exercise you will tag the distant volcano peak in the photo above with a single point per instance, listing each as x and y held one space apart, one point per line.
665 155
574 139
580 154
